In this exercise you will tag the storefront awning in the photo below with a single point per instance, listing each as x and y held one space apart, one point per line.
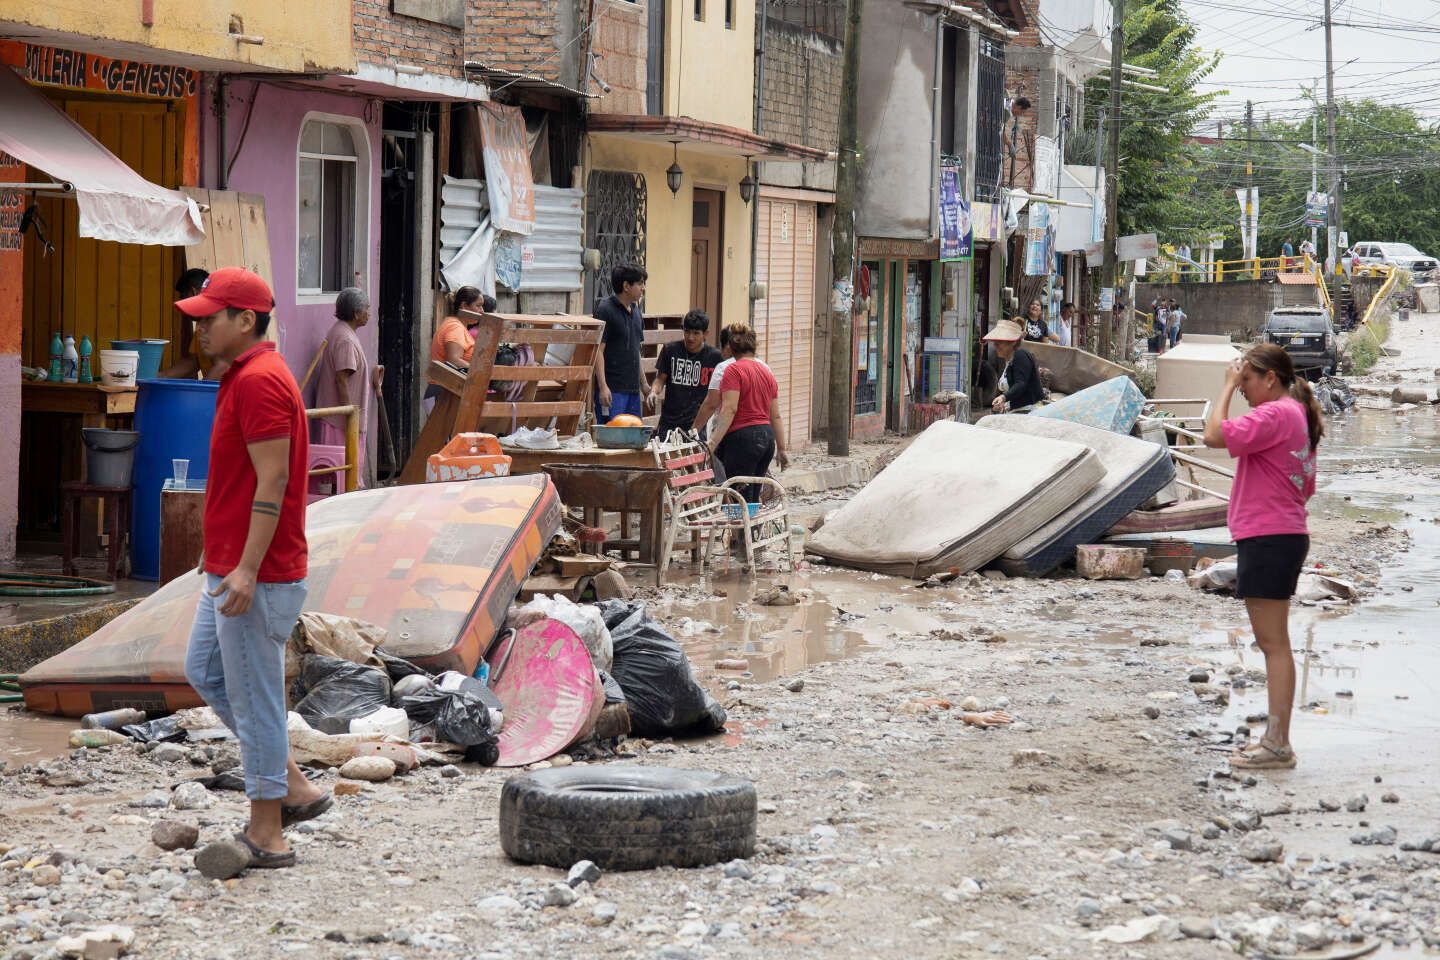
702 136
116 203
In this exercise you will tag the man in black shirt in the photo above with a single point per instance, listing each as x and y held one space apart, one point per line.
619 384
683 373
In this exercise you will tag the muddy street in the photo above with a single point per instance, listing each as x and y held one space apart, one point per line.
1103 822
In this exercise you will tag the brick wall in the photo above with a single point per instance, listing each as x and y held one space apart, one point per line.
383 39
520 35
801 97
620 39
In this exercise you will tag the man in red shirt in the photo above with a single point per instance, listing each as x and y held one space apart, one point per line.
255 554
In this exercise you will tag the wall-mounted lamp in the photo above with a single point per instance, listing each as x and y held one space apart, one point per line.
747 183
674 175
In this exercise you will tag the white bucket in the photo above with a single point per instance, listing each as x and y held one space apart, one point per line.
117 367
388 721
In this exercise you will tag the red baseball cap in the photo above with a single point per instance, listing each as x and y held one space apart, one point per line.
229 287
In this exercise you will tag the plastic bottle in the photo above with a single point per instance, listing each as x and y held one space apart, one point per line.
87 349
97 738
57 357
70 365
112 719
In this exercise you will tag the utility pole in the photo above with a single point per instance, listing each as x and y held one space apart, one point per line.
842 241
1314 178
1108 273
1253 247
1332 161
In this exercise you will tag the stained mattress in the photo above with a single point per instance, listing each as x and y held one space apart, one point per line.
436 565
1134 471
959 496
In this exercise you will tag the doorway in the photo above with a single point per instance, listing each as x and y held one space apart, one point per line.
399 316
706 242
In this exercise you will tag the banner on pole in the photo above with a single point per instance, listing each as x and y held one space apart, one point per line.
1037 247
956 231
1317 205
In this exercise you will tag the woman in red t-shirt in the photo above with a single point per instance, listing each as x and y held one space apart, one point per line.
1274 449
748 432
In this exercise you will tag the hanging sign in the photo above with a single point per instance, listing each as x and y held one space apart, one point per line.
1037 263
956 232
507 168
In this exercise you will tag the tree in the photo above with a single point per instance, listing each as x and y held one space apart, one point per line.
1157 175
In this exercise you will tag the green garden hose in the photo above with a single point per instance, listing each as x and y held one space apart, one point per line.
10 688
16 584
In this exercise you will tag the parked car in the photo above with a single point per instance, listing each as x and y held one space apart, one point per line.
1307 335
1393 255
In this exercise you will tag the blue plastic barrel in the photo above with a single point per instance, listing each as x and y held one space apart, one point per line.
174 419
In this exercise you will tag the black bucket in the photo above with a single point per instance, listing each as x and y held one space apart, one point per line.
109 456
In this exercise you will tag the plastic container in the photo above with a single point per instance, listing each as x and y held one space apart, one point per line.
387 721
152 352
623 438
118 368
174 419
468 456
70 362
109 456
112 719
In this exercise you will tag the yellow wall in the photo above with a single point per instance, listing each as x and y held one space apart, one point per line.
668 222
300 35
709 70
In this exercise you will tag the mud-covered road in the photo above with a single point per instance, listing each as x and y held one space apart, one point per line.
888 827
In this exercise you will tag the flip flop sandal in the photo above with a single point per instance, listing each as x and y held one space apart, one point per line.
289 816
263 859
1262 756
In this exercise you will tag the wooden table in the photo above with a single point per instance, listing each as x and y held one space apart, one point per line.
530 461
96 406
640 491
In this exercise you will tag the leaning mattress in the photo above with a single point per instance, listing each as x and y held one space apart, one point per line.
436 565
1134 471
958 497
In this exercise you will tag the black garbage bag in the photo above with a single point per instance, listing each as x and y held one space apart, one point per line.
331 692
461 717
660 688
162 730
399 667
613 692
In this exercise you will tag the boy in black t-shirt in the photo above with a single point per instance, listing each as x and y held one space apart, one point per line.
683 374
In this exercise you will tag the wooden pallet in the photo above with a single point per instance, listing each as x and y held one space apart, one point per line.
466 406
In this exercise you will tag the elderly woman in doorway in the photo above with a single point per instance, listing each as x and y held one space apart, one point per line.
344 376
1019 386
748 430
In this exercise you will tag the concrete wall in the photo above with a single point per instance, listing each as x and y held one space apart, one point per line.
668 221
710 68
619 41
266 162
313 35
1233 309
897 77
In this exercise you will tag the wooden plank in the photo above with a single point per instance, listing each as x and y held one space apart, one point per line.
662 336
225 225
254 235
504 409
201 255
527 335
477 385
529 373
433 435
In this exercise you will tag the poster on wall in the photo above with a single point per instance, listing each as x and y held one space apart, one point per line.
956 228
1037 260
507 168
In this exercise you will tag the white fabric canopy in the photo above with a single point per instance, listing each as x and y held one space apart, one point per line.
116 203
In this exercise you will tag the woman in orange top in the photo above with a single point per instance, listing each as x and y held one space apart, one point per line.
453 343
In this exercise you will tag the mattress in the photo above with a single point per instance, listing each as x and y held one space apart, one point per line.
1185 515
957 497
1112 405
1134 470
436 565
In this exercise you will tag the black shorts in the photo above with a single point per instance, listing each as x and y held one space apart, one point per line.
1270 566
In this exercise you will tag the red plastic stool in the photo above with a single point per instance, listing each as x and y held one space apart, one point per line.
117 516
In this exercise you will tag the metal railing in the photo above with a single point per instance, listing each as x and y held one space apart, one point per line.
351 467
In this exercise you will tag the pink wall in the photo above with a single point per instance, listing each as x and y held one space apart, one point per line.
264 161
9 452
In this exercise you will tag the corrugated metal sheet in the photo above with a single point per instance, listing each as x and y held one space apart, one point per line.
463 204
550 257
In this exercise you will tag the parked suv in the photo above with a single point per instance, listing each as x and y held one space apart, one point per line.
1395 255
1306 334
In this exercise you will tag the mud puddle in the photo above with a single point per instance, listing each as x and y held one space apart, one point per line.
27 737
837 615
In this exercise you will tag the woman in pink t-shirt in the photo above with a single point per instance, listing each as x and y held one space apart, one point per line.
1274 449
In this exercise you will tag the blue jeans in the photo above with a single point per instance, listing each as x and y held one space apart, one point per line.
237 665
619 403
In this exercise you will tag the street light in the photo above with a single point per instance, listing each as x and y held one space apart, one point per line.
673 174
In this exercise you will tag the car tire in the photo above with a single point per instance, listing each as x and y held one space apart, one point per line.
627 817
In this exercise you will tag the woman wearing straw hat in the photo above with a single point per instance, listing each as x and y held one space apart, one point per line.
1019 382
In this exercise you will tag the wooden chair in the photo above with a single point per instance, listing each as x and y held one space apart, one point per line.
699 508
117 516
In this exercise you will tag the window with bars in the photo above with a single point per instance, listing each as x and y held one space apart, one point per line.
989 120
614 224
